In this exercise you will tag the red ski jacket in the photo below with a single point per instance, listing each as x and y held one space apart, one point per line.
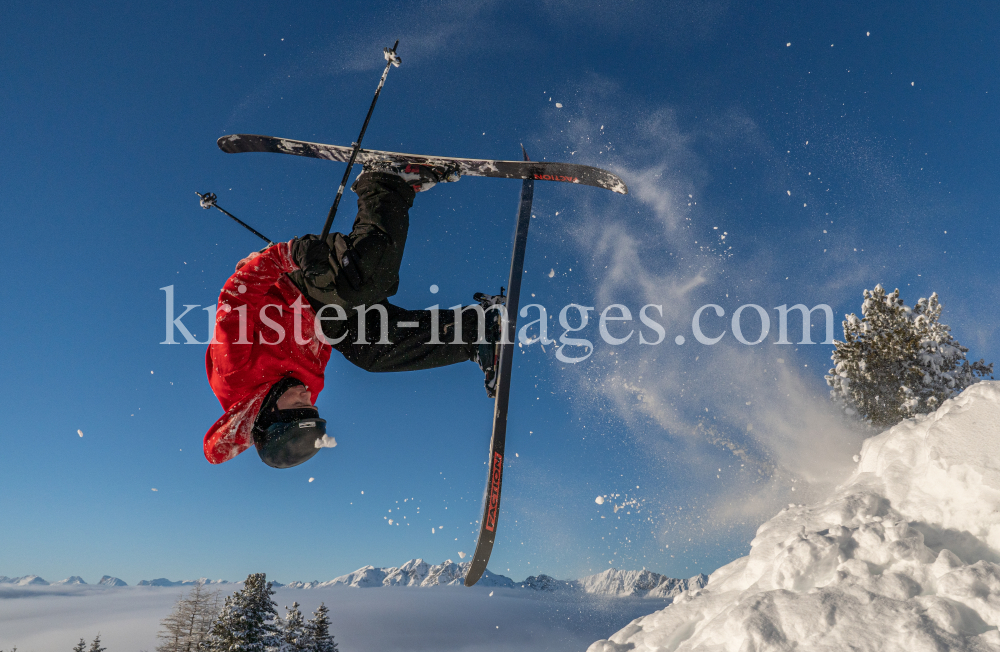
263 332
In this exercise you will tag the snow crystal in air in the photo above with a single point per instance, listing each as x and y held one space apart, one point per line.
552 272
599 500
326 441
79 432
461 555
311 479
558 106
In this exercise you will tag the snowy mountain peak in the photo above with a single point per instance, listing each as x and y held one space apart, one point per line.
75 579
619 584
415 572
162 581
27 580
107 580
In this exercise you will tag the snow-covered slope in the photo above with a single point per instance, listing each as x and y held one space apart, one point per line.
75 579
107 580
905 555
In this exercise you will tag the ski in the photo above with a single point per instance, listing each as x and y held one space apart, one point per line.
534 170
494 478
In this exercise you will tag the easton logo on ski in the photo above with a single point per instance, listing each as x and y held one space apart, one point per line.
556 177
493 502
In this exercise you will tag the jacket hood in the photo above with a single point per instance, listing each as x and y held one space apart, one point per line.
233 432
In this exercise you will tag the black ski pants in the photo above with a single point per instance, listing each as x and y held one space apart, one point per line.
364 272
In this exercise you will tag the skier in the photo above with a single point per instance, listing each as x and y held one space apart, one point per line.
266 360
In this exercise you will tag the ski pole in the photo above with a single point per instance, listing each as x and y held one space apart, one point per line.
208 201
391 59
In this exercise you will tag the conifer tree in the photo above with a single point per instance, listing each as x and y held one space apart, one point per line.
896 362
247 621
293 630
189 624
318 631
81 646
95 645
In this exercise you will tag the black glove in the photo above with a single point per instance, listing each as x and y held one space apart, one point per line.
312 255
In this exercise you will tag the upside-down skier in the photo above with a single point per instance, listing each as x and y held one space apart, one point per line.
266 360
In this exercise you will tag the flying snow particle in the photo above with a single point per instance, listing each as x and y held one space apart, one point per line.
491 595
311 479
461 555
599 500
151 372
154 489
558 105
789 192
788 45
432 530
390 521
326 441
552 272
79 432
868 33
912 83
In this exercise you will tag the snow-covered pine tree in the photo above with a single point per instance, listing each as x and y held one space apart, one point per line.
247 621
318 631
189 623
896 362
293 632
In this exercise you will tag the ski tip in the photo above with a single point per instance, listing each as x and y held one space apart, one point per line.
228 142
524 152
473 577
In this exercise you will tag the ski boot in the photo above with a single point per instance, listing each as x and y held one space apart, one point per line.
421 177
488 353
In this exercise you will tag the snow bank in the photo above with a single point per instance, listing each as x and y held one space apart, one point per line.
905 555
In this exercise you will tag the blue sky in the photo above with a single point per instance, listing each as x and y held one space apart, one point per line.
835 146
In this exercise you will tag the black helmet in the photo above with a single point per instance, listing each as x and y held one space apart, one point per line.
286 438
